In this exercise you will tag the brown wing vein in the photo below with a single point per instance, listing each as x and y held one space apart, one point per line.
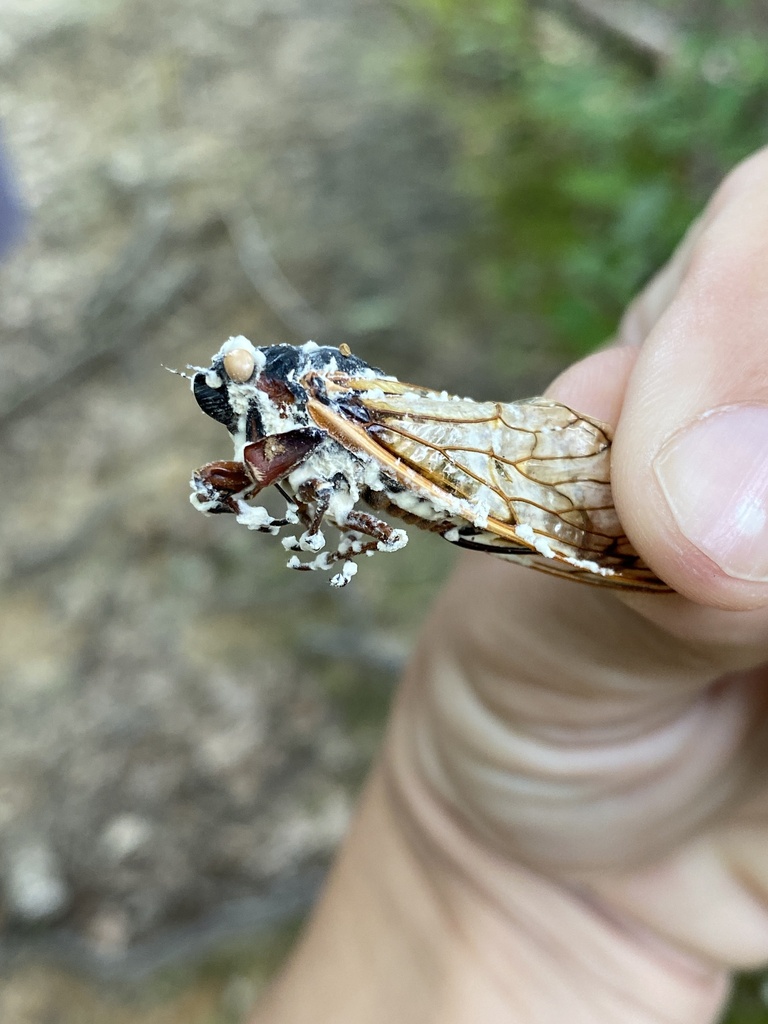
496 488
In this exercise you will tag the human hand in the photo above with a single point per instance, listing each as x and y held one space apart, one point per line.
576 778
620 743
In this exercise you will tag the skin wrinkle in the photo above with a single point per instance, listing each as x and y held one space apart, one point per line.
599 668
693 883
445 762
726 639
461 707
680 820
440 838
753 887
636 932
458 782
524 821
575 717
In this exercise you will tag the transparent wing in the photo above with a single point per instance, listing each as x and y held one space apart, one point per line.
530 479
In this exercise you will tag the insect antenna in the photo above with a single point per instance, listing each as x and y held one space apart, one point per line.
179 373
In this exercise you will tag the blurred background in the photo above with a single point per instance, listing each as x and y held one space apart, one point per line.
466 193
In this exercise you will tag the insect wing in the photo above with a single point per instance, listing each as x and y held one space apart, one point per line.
530 478
627 569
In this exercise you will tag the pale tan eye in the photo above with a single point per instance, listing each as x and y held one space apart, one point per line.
239 364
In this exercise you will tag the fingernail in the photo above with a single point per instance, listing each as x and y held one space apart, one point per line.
714 474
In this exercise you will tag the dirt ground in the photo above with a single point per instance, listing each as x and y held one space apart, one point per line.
183 722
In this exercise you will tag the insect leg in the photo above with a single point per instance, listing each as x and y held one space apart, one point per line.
356 528
227 486
315 495
215 485
271 458
388 538
312 499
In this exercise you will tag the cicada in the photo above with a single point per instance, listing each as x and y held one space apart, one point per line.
344 443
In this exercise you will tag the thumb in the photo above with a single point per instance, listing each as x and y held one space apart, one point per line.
691 450
690 457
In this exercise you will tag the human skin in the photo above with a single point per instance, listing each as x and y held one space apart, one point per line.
569 817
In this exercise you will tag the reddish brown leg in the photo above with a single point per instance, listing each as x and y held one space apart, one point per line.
315 495
215 484
273 457
223 486
312 500
357 526
365 523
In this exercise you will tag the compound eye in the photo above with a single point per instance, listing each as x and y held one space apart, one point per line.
239 365
213 401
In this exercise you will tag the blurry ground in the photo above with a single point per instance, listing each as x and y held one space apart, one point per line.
183 722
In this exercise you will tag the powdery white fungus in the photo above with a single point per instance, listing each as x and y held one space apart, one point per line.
306 542
202 502
375 394
240 341
341 579
322 563
585 563
312 541
256 517
397 540
422 505
477 512
541 544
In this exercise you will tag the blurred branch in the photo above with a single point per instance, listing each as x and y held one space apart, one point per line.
267 278
144 283
639 30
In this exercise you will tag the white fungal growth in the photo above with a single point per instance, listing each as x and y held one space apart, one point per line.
541 544
312 541
341 579
239 341
202 502
397 540
256 517
590 566
322 563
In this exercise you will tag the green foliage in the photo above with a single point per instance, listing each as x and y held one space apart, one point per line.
749 1004
592 162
